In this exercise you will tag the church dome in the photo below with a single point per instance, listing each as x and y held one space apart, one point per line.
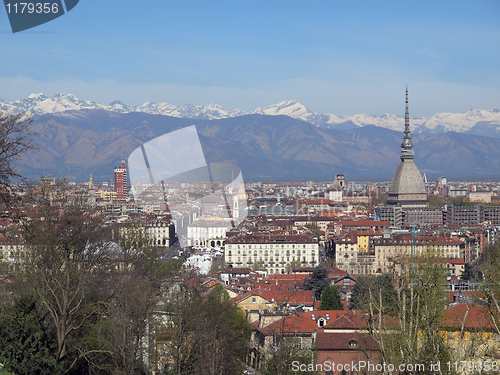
407 185
407 179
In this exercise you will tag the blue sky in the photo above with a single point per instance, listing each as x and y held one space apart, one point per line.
341 57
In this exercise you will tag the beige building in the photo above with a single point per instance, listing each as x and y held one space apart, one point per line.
276 250
480 196
389 248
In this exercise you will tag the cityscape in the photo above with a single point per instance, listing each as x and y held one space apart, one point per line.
298 260
249 188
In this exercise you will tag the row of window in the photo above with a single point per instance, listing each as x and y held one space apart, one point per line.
265 246
266 252
270 259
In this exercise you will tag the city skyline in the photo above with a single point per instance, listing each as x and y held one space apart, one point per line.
339 58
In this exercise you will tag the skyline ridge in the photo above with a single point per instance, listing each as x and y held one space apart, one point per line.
439 123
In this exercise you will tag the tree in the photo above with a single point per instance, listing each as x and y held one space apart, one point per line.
413 335
99 295
490 266
205 334
218 265
293 264
27 342
329 262
330 299
15 138
379 199
317 281
285 354
259 266
470 273
67 256
368 287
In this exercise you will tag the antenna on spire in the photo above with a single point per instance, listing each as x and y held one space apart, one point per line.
407 146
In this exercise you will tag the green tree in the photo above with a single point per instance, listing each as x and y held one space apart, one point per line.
471 273
368 288
27 341
330 299
99 294
317 281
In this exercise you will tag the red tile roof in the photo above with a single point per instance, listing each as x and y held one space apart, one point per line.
356 320
301 323
475 317
344 341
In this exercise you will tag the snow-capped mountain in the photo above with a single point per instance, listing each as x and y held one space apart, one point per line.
299 111
40 104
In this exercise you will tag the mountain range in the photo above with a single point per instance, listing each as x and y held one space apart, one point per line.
75 143
476 121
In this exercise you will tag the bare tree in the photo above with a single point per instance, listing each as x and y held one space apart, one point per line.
15 138
67 259
207 334
412 335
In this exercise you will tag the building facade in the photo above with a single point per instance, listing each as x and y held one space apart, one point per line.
276 250
121 181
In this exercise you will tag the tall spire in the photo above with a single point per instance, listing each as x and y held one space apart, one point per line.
407 146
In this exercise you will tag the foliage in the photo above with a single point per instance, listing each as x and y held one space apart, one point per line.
330 299
282 358
27 342
98 295
368 288
317 281
490 266
329 262
471 273
217 266
293 264
413 337
206 334
259 266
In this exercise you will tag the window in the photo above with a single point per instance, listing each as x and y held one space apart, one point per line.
254 299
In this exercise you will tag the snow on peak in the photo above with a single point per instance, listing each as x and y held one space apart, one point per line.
37 96
440 122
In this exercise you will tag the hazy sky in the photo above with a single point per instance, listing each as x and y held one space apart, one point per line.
335 56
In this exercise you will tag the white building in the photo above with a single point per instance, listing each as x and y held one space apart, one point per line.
208 231
276 250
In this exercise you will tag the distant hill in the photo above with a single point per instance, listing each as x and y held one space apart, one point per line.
76 143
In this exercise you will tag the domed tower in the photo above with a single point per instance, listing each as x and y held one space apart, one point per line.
407 185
